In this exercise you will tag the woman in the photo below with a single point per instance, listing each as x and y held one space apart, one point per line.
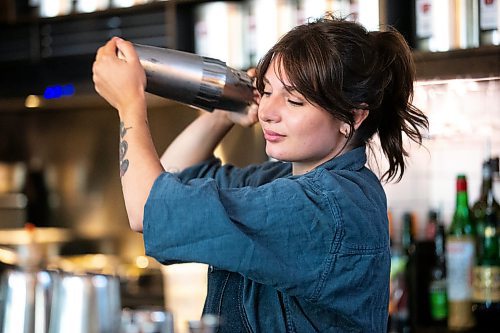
296 245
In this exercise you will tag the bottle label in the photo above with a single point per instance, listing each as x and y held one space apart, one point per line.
460 254
486 284
438 300
488 14
423 9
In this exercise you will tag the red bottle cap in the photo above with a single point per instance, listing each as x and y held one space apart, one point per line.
461 183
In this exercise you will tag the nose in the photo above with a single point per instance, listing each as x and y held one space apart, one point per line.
269 109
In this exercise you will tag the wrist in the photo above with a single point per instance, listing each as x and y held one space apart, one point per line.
136 111
221 119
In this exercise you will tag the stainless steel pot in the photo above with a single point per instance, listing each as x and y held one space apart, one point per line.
25 301
35 300
87 303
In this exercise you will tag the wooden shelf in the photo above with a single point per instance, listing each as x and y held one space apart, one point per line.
478 62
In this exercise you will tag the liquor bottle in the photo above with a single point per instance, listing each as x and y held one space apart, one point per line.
408 244
399 307
479 207
460 256
489 22
424 25
486 276
438 299
432 224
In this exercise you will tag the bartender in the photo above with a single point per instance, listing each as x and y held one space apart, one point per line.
300 243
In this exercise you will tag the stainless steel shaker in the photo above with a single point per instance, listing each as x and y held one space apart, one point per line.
201 82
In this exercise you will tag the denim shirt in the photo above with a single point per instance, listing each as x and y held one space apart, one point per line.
312 250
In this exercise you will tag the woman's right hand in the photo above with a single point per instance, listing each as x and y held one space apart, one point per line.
118 75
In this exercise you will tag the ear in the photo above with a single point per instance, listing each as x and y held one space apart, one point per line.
360 115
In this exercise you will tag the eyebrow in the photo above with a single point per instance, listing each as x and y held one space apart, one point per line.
288 88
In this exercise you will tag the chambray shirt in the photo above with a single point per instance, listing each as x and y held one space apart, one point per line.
309 253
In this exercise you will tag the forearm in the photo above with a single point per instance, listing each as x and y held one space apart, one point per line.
197 142
139 162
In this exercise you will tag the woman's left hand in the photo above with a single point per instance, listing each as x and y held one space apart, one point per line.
118 75
249 117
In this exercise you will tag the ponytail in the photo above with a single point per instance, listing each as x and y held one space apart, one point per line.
395 115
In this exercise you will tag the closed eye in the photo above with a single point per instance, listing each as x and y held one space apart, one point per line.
295 103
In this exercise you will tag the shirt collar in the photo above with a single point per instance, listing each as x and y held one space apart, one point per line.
354 159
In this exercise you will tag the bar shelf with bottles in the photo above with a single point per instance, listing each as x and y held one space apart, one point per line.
38 38
449 280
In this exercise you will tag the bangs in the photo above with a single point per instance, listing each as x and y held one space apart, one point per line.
302 63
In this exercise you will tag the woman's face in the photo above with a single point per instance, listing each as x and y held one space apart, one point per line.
294 129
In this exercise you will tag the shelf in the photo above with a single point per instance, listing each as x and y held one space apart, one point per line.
478 62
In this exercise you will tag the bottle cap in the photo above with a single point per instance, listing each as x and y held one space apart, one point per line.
461 183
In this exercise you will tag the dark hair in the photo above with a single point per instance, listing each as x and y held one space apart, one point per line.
339 66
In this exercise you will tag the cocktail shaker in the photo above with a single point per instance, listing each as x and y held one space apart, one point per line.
191 79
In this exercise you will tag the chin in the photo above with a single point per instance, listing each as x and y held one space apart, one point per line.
279 157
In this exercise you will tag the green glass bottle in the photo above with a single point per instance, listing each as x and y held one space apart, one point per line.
460 257
486 277
479 207
438 299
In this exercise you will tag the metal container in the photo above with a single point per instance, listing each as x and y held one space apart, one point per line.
87 303
201 82
25 301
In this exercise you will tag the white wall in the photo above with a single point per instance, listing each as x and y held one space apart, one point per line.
464 120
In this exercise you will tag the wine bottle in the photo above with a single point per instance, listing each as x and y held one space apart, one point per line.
486 275
438 299
460 256
489 22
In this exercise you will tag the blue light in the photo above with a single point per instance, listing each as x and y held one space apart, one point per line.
58 91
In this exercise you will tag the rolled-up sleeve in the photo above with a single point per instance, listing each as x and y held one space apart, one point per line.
280 234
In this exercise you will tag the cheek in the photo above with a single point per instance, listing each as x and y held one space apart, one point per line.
320 136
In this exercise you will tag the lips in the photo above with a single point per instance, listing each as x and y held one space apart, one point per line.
273 136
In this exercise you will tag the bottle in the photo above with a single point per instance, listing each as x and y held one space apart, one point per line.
408 234
424 26
188 78
489 22
479 207
408 244
438 299
460 256
432 224
38 209
486 276
399 307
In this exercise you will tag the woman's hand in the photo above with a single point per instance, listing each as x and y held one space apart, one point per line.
248 118
120 79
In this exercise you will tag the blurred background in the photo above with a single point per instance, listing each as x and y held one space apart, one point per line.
59 139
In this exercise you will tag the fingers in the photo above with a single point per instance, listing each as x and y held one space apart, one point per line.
126 50
108 49
252 72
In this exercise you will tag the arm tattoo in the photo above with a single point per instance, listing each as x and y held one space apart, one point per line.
124 163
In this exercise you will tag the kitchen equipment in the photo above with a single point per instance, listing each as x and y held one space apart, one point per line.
88 303
201 82
25 301
147 320
32 248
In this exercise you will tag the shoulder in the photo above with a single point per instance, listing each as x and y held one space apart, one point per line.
358 201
